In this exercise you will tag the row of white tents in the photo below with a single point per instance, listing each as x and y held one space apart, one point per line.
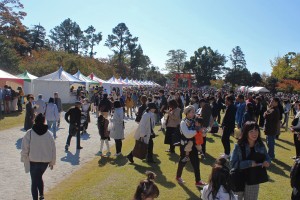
247 89
60 81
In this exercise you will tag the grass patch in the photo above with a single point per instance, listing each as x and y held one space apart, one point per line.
114 178
11 120
16 119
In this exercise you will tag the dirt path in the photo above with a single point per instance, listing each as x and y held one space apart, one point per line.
15 183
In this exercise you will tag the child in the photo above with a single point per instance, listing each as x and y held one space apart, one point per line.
147 189
104 134
198 139
218 186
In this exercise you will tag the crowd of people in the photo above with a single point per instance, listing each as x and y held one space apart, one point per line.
186 116
11 100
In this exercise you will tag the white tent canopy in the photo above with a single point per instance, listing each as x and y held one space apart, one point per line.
85 79
9 79
258 90
59 81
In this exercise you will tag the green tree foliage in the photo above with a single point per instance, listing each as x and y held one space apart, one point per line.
37 35
238 74
207 65
271 83
176 60
286 67
140 63
256 79
91 39
9 60
118 43
45 62
67 36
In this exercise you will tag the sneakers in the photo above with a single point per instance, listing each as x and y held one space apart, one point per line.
186 159
180 180
41 197
118 154
100 153
108 154
200 184
225 156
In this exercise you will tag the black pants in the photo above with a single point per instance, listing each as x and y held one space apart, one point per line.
37 170
295 194
71 129
118 145
297 145
204 145
219 117
225 140
194 161
150 149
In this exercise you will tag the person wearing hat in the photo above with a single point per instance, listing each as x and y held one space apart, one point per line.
29 116
74 114
145 132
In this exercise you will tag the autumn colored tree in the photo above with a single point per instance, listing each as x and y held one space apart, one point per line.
288 86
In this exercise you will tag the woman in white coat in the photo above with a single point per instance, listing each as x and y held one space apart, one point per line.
145 132
38 152
117 130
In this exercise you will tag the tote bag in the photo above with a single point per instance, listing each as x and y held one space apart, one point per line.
140 149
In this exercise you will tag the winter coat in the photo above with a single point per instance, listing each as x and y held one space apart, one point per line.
51 112
145 127
38 146
272 119
29 116
174 118
117 130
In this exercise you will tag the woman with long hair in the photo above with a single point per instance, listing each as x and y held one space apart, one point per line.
218 185
147 189
117 131
145 132
250 152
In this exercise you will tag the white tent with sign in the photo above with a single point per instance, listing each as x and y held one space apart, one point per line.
59 81
258 90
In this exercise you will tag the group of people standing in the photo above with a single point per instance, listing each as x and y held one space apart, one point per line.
188 132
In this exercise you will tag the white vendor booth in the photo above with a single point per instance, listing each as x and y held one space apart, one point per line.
28 84
59 81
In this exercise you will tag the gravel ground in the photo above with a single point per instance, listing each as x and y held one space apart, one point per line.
15 183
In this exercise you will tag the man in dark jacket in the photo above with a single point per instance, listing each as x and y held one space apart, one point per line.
271 125
74 127
228 124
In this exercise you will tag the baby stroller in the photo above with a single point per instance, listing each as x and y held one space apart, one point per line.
83 122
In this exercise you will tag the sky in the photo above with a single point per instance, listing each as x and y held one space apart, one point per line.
263 29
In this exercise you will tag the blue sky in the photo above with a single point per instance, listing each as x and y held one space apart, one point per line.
263 29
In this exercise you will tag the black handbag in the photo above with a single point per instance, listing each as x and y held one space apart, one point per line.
257 175
237 175
140 149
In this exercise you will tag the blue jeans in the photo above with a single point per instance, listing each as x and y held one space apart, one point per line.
52 125
271 145
37 170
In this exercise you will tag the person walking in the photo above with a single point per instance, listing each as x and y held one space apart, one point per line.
129 105
74 114
38 152
40 104
85 110
141 109
248 154
187 127
272 120
29 115
105 106
145 132
58 103
172 136
228 125
117 131
52 116
296 132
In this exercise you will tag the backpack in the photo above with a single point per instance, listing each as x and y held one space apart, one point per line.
295 174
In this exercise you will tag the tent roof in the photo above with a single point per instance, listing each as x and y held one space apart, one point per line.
26 76
9 77
80 76
60 75
114 81
258 89
95 78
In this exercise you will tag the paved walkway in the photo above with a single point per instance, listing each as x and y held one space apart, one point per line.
15 183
